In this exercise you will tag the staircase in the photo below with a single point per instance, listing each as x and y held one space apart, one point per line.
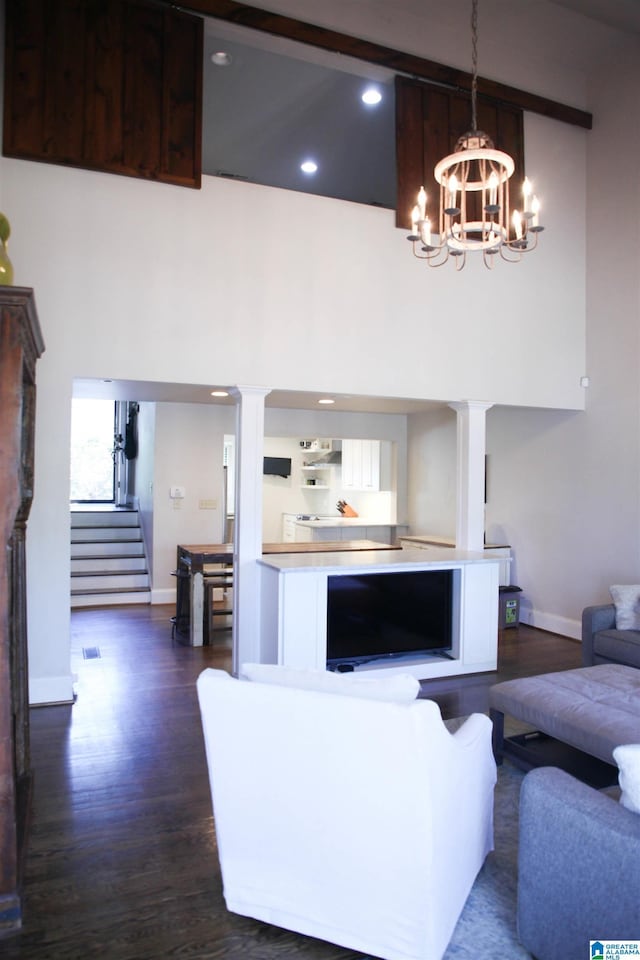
108 563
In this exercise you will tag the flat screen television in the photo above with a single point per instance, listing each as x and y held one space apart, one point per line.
388 615
277 466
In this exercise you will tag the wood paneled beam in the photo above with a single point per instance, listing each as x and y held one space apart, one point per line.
403 63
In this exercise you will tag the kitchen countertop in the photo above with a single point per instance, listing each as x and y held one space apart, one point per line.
448 541
348 522
367 561
195 555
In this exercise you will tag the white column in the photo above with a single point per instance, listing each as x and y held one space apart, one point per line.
247 544
471 430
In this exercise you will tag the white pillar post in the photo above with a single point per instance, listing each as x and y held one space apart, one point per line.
471 431
247 544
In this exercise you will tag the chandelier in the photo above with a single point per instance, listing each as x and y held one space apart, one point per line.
474 211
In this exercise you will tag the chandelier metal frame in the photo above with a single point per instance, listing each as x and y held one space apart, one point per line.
475 168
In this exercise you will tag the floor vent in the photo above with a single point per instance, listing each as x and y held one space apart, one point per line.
91 653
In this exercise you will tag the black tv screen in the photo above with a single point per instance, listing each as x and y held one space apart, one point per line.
372 616
277 466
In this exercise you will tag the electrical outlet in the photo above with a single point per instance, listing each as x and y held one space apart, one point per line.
177 504
208 504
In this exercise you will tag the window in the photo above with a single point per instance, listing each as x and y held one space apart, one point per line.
92 445
269 107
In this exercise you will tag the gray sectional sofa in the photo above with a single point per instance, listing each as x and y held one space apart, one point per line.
602 643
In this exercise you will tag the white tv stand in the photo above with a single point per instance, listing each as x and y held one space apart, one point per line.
294 608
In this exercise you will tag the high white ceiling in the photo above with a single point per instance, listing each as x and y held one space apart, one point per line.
145 391
622 14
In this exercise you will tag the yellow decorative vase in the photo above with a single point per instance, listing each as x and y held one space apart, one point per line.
6 267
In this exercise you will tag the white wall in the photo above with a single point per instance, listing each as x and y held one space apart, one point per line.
167 271
281 494
432 446
144 476
564 486
570 482
189 448
136 280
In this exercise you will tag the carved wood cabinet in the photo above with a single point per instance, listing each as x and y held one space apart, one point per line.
20 346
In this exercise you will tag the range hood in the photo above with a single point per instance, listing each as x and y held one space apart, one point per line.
333 457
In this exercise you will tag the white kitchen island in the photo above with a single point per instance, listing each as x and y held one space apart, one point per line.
294 597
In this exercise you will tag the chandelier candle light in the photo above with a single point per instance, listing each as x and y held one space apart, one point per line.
476 168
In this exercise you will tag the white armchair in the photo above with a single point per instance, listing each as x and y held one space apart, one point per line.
359 821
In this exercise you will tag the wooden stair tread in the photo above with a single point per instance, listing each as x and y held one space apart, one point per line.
114 540
108 573
104 526
108 556
90 591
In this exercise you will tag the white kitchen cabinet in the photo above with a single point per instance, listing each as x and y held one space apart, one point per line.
366 465
323 534
353 533
379 533
304 534
288 527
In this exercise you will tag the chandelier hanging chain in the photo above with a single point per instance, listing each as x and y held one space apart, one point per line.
474 64
474 208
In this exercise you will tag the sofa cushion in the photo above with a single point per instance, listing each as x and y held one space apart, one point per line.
621 646
396 688
627 756
626 598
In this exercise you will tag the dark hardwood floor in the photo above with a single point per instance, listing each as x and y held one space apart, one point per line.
122 860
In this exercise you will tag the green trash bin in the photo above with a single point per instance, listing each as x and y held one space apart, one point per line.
509 613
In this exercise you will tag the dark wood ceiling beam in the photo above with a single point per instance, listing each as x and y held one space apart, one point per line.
403 63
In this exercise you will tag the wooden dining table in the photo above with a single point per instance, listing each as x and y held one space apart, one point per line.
191 560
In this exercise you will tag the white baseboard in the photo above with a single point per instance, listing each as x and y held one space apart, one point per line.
552 622
49 690
166 595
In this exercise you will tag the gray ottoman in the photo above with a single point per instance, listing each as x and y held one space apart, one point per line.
594 709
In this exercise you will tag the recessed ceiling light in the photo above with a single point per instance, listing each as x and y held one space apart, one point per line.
219 393
309 166
221 59
371 96
326 400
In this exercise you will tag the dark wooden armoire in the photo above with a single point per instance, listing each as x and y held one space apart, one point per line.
20 346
